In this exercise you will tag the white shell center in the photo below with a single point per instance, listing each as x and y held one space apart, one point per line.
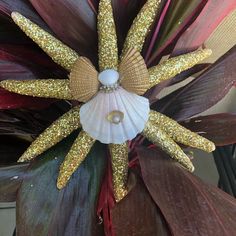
108 77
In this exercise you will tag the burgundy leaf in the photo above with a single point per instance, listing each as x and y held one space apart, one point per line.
10 180
203 92
11 34
27 124
73 21
12 100
11 148
124 14
12 70
23 7
137 214
204 25
33 60
152 94
190 206
188 73
219 128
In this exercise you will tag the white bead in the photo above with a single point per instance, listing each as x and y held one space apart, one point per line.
116 119
108 77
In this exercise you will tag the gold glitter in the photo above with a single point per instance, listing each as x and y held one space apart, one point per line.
74 158
57 131
108 59
47 88
141 26
108 51
157 136
179 133
119 157
59 52
176 65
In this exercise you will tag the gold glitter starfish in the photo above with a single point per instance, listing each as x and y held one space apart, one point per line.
84 85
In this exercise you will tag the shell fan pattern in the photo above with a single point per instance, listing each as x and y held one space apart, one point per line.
113 110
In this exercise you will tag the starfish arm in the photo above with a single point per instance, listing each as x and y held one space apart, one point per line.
141 26
57 131
180 134
74 158
176 65
59 52
107 47
47 88
162 140
119 158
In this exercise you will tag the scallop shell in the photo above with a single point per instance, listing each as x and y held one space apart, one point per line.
134 74
84 82
132 109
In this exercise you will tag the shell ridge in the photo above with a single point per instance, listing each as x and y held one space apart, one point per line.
135 108
134 130
144 114
117 98
83 80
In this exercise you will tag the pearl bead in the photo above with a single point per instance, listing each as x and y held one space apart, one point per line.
116 119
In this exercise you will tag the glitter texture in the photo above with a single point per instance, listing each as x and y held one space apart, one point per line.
157 136
141 26
119 158
47 88
59 130
180 134
74 158
176 65
160 130
108 51
59 52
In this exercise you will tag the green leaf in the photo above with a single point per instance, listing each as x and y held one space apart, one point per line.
42 209
10 181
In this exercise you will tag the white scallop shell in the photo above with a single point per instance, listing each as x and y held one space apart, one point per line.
93 116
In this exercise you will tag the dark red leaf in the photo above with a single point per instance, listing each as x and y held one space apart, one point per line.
190 206
12 70
11 148
204 25
124 14
44 210
137 214
203 92
10 180
190 72
12 100
219 128
74 22
27 124
11 34
23 7
152 94
31 59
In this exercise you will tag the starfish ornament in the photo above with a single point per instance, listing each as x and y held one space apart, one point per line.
114 110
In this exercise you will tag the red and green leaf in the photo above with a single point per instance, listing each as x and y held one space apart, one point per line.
203 92
70 211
